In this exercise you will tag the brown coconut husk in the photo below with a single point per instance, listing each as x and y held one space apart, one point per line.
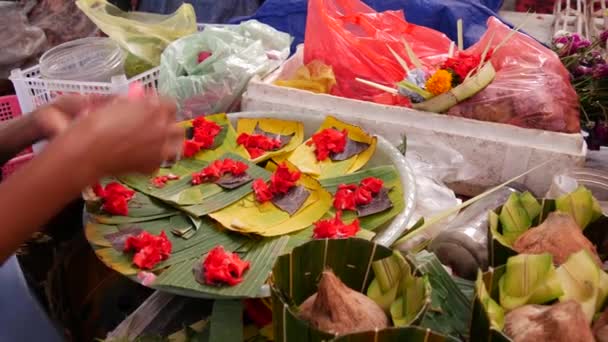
561 322
339 310
558 235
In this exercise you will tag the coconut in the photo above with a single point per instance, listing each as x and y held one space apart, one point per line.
561 322
559 235
339 310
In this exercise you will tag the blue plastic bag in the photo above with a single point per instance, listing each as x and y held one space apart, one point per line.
290 15
207 11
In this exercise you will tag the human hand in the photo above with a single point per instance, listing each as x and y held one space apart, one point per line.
127 135
54 118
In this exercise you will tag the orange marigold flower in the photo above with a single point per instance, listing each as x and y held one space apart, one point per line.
440 82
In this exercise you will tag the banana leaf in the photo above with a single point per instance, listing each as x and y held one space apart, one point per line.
261 254
303 236
226 321
450 309
293 129
500 244
483 326
198 200
390 176
249 216
305 160
226 139
294 279
141 208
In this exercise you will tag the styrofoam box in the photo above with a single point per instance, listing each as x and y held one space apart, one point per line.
495 152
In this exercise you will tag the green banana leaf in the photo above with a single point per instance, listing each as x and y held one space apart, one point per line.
226 321
141 208
200 199
500 246
294 279
482 328
390 176
450 307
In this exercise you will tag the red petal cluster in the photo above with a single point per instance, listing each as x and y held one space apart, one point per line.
223 267
149 249
261 190
203 55
217 169
281 181
334 228
205 132
348 197
327 141
115 198
161 181
463 63
257 144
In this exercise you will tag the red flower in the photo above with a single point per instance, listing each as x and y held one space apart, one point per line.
463 63
203 55
219 168
261 191
161 181
334 228
345 197
282 180
222 267
149 249
115 198
327 141
362 196
191 147
205 132
257 144
372 184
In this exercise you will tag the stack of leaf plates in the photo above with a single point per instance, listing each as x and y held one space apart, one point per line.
196 216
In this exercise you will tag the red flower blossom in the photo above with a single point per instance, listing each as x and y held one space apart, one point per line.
205 132
149 249
348 197
115 198
217 169
190 148
257 144
372 184
334 228
161 181
345 197
327 141
221 267
262 191
463 63
203 55
282 180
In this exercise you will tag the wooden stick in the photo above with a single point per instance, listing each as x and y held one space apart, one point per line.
460 35
410 53
399 60
451 51
378 86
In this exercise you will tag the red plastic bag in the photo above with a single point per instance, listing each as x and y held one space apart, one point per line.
353 38
532 87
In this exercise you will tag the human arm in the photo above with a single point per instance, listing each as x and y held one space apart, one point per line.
122 136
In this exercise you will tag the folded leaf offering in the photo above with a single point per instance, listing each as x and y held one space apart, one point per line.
288 203
374 195
202 187
336 149
267 138
208 137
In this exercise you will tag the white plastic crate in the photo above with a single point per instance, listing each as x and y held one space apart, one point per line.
496 152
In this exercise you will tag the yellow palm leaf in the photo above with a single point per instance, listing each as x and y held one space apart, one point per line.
305 160
274 126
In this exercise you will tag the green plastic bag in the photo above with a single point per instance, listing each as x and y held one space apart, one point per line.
143 35
237 53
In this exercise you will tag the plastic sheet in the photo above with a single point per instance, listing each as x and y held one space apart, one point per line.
143 35
353 39
19 41
215 85
207 11
532 87
290 15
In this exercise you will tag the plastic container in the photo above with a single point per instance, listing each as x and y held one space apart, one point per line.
497 152
10 109
594 180
92 59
